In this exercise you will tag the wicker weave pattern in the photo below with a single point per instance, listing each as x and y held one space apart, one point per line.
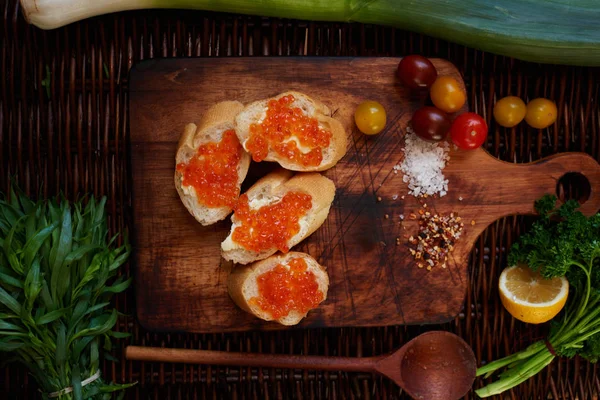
66 130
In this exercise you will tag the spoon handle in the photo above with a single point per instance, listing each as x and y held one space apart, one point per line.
161 354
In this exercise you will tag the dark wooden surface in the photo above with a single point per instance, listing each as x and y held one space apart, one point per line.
181 278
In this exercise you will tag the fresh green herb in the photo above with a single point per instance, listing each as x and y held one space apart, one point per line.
58 271
563 242
47 81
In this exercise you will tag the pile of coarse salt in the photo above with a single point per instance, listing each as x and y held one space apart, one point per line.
423 165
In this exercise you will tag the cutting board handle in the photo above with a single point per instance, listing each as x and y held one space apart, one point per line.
506 188
547 173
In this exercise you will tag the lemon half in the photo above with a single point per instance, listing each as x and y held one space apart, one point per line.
529 297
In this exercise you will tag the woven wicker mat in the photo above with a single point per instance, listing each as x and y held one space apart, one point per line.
69 133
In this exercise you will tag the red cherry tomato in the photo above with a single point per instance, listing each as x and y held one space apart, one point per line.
430 123
416 72
468 131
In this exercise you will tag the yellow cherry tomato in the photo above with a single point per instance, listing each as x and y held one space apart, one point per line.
541 113
509 111
447 94
370 117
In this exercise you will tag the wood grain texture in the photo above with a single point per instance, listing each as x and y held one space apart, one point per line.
181 279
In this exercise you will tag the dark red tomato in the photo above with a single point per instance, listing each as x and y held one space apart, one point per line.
416 72
430 123
468 131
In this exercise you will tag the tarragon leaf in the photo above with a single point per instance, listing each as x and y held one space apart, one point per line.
10 302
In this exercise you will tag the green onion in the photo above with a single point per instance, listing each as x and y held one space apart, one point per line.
560 31
562 242
58 271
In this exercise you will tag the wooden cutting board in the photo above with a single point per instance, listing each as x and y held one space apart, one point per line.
181 278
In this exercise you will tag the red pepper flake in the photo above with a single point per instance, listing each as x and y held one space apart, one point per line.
435 240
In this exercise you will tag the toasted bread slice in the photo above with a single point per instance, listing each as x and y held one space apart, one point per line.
217 120
270 190
256 112
242 285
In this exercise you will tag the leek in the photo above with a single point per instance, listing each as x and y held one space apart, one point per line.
559 31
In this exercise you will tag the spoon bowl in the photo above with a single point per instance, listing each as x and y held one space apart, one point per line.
433 366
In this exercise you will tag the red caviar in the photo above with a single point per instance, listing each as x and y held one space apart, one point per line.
271 225
212 172
283 290
277 131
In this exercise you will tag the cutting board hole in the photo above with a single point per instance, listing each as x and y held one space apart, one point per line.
573 186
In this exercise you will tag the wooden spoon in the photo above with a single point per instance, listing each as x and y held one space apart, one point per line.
434 366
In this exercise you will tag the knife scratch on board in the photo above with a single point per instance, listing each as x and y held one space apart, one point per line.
172 77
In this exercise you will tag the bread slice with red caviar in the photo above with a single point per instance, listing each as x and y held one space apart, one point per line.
254 287
311 190
255 113
216 128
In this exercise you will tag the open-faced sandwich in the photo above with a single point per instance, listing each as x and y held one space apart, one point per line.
282 288
276 213
292 129
211 164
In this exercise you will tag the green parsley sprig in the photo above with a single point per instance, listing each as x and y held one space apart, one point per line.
562 242
58 272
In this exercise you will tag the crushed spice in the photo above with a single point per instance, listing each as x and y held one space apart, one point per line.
435 240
